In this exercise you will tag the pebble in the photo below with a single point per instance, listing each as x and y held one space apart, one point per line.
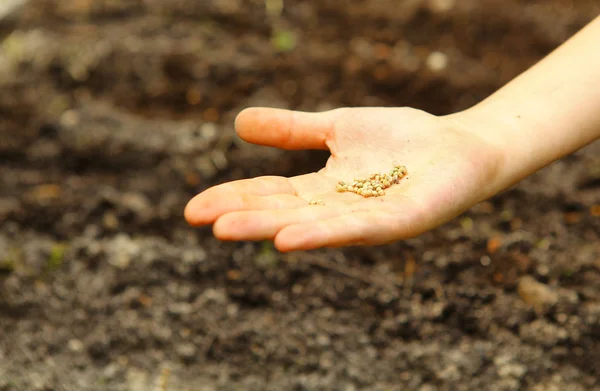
75 345
122 250
507 367
136 202
437 61
180 308
208 131
111 370
441 5
186 351
537 295
323 340
69 118
544 333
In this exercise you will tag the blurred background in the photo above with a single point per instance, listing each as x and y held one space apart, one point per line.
113 114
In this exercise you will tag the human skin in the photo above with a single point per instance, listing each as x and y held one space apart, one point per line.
453 161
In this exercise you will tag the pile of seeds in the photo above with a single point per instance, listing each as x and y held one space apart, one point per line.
375 185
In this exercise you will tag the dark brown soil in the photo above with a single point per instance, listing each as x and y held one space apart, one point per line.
114 113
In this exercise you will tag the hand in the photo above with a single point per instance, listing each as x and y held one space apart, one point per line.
450 168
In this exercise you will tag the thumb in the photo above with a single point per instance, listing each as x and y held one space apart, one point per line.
286 129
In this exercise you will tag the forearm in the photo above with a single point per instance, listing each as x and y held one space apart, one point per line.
551 110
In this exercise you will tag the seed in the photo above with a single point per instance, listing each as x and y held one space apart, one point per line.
375 184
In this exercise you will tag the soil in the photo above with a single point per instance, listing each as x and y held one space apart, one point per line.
114 113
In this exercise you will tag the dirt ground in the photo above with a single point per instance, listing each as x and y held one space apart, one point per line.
114 113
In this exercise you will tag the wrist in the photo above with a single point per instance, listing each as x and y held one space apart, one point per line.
499 133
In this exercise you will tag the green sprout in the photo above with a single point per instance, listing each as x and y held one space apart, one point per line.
56 257
267 256
284 40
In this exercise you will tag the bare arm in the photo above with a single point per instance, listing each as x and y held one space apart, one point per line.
549 111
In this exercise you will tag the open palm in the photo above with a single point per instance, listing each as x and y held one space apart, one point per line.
449 169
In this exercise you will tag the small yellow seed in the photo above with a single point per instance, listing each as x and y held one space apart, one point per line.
375 184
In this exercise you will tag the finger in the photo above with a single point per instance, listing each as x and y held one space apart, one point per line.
364 227
238 195
264 225
286 129
358 228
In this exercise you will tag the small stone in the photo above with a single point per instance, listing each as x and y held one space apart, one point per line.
69 118
208 131
536 294
180 308
323 340
450 373
441 5
111 370
485 260
544 333
186 351
135 202
75 345
512 370
507 366
122 250
110 221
